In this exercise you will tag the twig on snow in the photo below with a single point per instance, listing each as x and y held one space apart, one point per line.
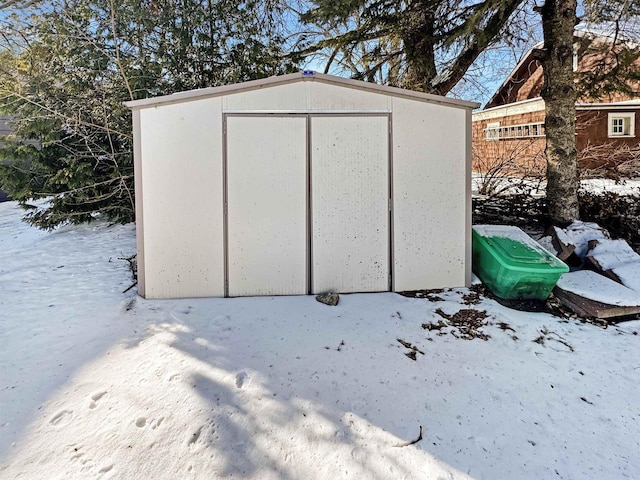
406 444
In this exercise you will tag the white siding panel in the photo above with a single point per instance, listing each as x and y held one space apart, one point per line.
430 190
181 164
307 97
294 96
326 97
267 205
350 192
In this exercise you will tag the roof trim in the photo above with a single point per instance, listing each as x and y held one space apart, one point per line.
537 104
517 108
627 105
305 76
520 102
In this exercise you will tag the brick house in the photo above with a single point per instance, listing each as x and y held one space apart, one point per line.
509 130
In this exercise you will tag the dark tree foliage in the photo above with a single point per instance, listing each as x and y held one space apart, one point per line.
616 68
425 45
65 88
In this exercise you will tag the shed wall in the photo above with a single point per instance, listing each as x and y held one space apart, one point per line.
331 97
137 177
181 151
182 189
306 97
281 97
429 195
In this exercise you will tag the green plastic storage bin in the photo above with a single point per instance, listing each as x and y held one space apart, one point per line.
512 264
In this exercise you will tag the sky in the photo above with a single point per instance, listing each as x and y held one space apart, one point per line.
481 80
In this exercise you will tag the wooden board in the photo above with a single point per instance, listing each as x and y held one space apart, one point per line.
590 308
559 240
622 261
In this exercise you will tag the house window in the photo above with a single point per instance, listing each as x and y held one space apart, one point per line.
492 131
618 126
527 130
622 124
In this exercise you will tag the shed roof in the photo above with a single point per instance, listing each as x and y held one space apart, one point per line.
306 76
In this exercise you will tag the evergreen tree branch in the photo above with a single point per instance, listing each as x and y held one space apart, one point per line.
480 42
68 118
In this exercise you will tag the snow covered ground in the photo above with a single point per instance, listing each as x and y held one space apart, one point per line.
99 384
599 185
594 185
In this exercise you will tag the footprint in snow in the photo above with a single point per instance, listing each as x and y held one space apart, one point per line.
62 418
241 379
157 423
195 436
95 398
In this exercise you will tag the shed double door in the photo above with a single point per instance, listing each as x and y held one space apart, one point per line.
307 204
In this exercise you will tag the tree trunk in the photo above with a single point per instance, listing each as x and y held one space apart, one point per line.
419 44
559 94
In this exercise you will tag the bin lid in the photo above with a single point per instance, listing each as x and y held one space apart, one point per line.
517 250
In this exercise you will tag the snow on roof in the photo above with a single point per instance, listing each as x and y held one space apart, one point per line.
609 31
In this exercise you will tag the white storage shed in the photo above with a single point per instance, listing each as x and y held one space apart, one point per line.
301 184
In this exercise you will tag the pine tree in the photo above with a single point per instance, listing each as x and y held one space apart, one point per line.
617 68
65 89
425 45
559 94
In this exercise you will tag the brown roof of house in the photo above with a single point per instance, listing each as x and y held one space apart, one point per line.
525 80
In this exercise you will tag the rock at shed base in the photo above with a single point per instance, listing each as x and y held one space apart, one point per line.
329 298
